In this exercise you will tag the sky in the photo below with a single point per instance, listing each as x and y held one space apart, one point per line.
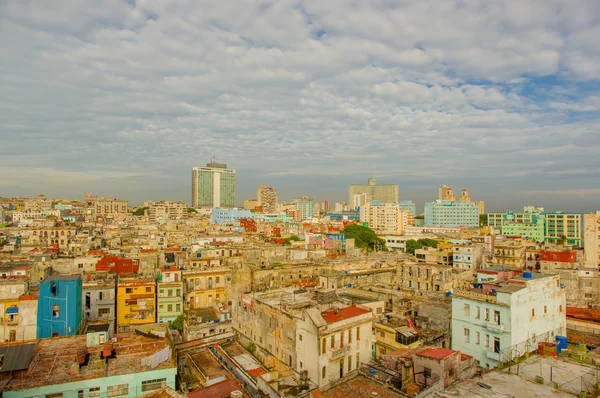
123 98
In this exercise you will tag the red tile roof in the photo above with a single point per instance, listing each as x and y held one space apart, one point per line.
436 353
256 372
344 313
219 390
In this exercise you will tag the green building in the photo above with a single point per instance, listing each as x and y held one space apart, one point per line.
213 186
170 294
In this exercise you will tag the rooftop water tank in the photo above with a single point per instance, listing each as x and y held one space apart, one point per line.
527 275
448 294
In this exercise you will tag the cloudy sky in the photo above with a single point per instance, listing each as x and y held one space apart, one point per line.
123 98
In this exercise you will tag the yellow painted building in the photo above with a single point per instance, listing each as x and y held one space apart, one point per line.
136 302
206 288
392 335
10 319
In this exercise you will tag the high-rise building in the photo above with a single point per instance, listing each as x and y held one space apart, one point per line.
325 206
381 193
481 205
267 198
385 218
591 239
442 213
446 193
559 224
213 186
305 207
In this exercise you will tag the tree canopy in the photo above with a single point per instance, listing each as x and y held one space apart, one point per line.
483 220
177 324
412 245
191 210
364 237
140 211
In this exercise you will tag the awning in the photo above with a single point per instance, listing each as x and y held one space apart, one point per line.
12 310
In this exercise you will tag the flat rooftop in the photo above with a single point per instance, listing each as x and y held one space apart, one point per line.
359 387
52 359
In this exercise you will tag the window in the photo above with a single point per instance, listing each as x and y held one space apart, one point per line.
477 312
178 307
178 292
382 334
349 336
217 279
170 307
379 310
129 290
154 384
323 372
300 337
349 363
55 395
560 308
588 295
487 314
323 346
301 365
55 311
467 335
118 390
476 337
170 292
487 340
467 309
332 341
533 312
427 372
103 312
358 333
357 360
94 392
148 289
80 393
545 310
497 317
496 344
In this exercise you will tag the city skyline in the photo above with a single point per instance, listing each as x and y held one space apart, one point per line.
124 98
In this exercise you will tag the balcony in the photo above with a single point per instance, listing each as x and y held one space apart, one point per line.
493 355
340 352
494 327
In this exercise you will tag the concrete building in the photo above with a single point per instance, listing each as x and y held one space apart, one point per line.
232 216
441 213
27 324
10 291
408 205
445 193
433 255
503 320
481 205
170 294
424 278
381 193
206 288
166 210
99 301
510 252
305 207
384 218
59 306
267 198
136 303
531 230
591 238
358 200
251 204
464 196
559 224
213 186
467 256
105 206
581 286
76 367
393 334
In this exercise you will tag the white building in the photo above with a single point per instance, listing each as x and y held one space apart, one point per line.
332 343
385 218
305 207
467 256
591 239
213 186
499 322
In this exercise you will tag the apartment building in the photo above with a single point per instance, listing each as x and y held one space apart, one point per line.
165 210
99 301
425 278
510 252
105 206
559 224
136 302
387 193
213 186
267 198
59 306
441 213
170 294
206 288
500 321
384 218
10 290
393 334
467 256
305 207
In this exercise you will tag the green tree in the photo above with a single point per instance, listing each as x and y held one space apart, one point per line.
563 240
191 210
412 245
483 220
140 211
177 324
364 237
251 347
295 238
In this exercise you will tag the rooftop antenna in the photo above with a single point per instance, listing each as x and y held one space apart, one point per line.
214 159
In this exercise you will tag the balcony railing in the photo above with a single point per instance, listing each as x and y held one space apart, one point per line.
494 327
340 352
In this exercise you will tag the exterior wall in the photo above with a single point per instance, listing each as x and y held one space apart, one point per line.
99 303
306 207
581 287
384 218
206 288
222 216
170 300
591 239
28 309
467 257
425 278
533 231
213 186
67 321
71 390
451 214
567 224
135 304
383 193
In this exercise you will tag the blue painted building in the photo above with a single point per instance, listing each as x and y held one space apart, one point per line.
442 213
223 216
408 205
59 306
352 215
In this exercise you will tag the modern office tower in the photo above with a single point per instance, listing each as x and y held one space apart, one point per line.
213 186
382 193
305 207
442 213
446 193
464 196
267 198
